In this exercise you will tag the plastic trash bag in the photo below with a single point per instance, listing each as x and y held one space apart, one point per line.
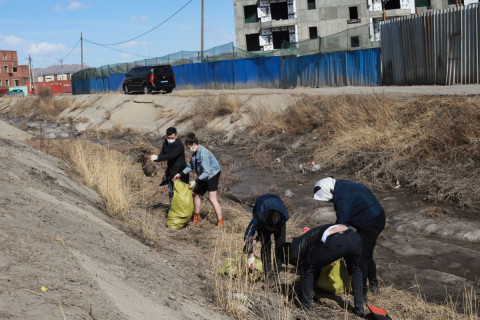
334 278
230 267
181 208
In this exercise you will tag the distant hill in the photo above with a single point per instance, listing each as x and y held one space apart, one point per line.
67 68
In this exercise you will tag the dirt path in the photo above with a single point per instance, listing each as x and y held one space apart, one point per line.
53 235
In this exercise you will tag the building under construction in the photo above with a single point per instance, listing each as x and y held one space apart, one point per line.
266 25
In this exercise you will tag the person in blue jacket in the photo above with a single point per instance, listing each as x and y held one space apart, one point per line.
208 171
356 206
269 218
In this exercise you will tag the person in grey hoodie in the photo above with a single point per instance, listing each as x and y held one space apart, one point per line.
208 171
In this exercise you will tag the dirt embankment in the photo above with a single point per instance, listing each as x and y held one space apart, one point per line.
425 244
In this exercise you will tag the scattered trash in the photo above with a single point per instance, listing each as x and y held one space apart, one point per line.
278 160
315 167
288 193
378 313
44 289
306 229
398 185
302 169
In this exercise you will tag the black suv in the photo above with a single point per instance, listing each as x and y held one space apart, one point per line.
148 79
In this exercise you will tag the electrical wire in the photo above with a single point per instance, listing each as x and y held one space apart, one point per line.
105 46
163 22
76 44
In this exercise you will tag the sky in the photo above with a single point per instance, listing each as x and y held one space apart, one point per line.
48 30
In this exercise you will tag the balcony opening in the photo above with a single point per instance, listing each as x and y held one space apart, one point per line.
279 37
355 42
392 5
454 2
353 13
250 14
279 10
311 4
313 32
422 3
253 42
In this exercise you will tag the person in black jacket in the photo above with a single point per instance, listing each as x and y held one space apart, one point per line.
355 205
173 153
269 218
319 247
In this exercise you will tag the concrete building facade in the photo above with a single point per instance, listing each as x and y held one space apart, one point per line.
264 25
11 73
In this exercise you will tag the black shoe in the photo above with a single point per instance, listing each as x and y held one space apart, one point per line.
359 312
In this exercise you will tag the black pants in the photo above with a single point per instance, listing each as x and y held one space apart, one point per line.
348 246
369 237
266 251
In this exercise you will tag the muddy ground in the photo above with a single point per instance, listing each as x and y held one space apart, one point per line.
55 234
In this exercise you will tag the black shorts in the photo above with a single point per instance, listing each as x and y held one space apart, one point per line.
208 185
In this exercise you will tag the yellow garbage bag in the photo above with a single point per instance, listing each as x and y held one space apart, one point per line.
181 208
231 266
334 278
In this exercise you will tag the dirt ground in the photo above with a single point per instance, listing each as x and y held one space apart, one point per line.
54 233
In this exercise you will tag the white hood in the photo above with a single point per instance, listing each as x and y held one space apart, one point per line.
323 190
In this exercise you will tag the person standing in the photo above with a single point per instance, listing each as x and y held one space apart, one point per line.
208 174
319 247
356 206
172 152
269 218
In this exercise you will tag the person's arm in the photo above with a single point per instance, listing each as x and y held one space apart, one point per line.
188 168
280 237
176 151
205 164
249 235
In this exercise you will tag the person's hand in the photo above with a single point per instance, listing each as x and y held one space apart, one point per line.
251 262
153 157
192 184
177 176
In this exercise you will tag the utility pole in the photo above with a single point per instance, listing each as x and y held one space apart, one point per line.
32 84
202 43
81 48
61 62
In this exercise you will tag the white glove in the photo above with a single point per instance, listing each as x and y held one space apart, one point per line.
192 184
251 262
153 157
177 176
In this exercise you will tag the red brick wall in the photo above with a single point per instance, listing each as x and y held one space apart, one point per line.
9 60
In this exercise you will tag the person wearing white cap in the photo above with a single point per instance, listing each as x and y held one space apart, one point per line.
356 206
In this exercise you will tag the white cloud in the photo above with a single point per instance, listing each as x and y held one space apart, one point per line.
136 18
76 5
11 42
134 43
46 49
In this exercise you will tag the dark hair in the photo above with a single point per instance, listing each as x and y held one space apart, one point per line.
191 139
171 130
273 220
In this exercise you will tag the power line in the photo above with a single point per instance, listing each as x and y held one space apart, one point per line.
105 46
76 44
163 22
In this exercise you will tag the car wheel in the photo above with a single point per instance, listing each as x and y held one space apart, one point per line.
125 89
169 90
146 90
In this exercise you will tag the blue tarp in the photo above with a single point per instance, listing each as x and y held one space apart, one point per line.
269 72
289 73
364 68
195 75
224 74
308 69
246 73
115 81
333 70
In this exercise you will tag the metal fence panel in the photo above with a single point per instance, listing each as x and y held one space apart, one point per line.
288 73
363 68
224 74
308 70
246 73
332 70
115 81
269 72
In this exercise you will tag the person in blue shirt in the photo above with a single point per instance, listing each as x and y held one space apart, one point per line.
269 218
204 163
356 206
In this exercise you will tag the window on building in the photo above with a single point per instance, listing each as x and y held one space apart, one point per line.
454 2
422 3
353 13
253 42
279 37
392 5
7 83
355 41
250 14
313 32
62 77
16 83
311 4
14 69
5 69
4 57
0 82
279 10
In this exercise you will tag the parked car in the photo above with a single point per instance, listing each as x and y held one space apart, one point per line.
15 93
148 79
